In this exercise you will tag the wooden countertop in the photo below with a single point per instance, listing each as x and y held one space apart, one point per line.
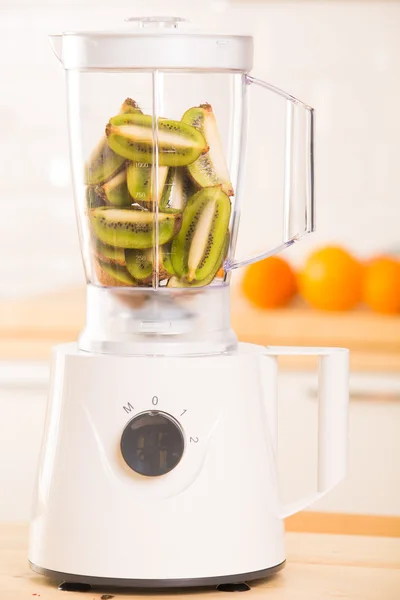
29 327
318 567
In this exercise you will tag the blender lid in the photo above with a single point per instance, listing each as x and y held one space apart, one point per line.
154 43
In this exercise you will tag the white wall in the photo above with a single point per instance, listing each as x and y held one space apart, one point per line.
341 57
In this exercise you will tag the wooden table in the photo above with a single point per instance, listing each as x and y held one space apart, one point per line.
319 567
29 327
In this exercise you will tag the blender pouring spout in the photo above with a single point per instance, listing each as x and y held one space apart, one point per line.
56 43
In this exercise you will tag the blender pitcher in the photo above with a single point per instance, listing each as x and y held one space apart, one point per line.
157 121
158 463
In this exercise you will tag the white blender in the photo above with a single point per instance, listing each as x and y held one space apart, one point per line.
157 412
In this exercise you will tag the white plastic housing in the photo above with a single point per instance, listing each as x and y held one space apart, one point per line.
217 513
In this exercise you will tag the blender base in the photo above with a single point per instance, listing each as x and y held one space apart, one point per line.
70 579
97 520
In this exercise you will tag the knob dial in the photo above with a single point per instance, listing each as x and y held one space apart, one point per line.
152 443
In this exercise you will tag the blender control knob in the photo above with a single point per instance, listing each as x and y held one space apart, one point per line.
152 443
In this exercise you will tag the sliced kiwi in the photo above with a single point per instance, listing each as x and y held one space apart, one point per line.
93 198
198 245
165 259
104 163
125 228
210 168
133 137
129 106
178 187
175 282
140 183
115 190
140 263
109 254
113 275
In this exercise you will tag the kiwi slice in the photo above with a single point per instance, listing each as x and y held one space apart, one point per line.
198 245
131 136
140 263
109 254
210 168
178 187
115 190
113 275
175 282
125 228
139 179
129 106
104 162
165 259
93 198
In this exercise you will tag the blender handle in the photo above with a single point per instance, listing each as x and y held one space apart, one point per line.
333 399
298 175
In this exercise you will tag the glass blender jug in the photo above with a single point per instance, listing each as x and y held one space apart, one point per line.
157 121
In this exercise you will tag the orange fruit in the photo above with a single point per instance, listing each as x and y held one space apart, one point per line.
382 285
269 283
331 279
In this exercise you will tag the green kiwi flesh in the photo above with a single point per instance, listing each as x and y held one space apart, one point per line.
209 169
140 263
205 223
117 272
104 162
93 198
178 187
109 254
178 144
139 180
165 260
175 282
124 228
115 190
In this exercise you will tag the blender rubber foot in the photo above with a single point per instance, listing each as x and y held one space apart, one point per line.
233 587
70 586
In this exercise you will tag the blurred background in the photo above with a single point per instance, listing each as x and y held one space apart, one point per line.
341 57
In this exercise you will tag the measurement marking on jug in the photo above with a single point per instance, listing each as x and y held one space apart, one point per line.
183 412
194 439
154 400
128 408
